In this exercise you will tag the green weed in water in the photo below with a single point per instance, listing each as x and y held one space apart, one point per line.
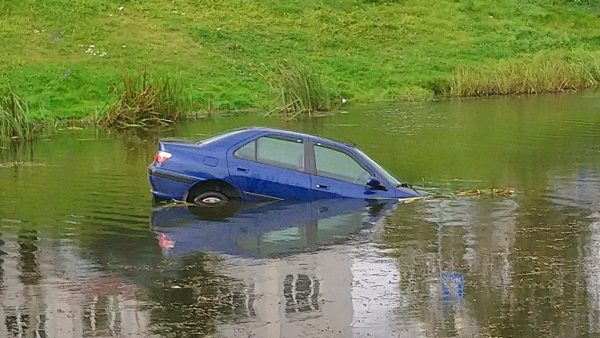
145 102
14 122
301 92
543 73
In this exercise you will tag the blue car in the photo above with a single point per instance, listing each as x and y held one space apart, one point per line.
262 164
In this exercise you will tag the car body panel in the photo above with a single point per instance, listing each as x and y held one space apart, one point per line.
329 187
325 187
256 180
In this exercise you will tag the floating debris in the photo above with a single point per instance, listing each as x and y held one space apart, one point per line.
413 199
490 192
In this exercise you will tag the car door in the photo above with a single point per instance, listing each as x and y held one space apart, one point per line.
271 167
338 173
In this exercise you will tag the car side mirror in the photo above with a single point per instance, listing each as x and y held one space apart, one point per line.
375 184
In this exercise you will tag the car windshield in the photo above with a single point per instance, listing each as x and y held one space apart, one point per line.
393 181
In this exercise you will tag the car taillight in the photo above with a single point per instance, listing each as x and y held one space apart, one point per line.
165 242
162 156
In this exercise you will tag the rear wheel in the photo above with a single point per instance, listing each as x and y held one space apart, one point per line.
213 200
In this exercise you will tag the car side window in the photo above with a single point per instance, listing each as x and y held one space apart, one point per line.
336 164
285 153
247 152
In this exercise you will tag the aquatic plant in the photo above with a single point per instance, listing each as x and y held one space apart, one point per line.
543 73
14 121
300 91
146 102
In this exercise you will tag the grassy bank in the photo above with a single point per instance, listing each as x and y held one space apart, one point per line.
65 57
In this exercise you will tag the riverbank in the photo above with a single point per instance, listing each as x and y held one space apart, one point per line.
65 58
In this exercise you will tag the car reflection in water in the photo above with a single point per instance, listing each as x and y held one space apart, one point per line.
264 230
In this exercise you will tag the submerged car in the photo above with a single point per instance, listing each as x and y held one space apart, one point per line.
257 164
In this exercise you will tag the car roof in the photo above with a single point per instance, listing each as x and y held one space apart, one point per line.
283 132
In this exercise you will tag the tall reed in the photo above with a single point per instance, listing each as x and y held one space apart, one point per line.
146 102
300 92
14 120
544 73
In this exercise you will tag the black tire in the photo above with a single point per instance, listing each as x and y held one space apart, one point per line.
213 201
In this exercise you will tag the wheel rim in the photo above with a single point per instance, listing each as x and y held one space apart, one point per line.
209 200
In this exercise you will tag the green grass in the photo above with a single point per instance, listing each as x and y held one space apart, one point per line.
14 121
225 50
146 102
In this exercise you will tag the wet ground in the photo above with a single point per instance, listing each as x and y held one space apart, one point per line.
83 252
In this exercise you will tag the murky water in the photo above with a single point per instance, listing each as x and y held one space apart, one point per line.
84 253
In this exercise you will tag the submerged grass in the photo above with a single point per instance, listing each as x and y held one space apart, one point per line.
301 92
542 73
14 121
145 102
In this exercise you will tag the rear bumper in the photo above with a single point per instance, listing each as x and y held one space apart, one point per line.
153 171
167 185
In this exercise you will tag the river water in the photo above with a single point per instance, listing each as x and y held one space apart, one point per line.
83 252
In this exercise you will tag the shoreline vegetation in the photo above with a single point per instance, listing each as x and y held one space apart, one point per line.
14 120
301 92
552 72
142 64
145 102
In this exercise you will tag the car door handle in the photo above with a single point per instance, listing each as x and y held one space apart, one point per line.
244 170
322 186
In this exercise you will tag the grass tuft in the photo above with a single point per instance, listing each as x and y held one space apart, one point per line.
300 91
145 102
543 73
14 121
